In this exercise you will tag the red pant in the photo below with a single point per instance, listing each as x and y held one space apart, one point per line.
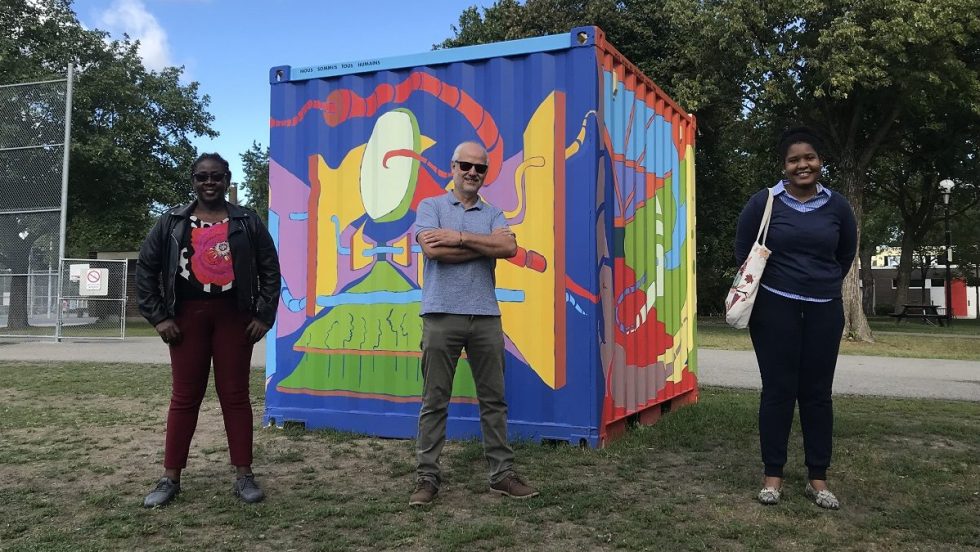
210 328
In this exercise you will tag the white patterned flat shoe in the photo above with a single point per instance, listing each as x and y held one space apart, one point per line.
770 496
824 498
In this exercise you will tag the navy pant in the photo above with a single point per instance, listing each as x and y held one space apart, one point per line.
796 344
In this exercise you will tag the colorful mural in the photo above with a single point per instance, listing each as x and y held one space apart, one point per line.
652 153
599 294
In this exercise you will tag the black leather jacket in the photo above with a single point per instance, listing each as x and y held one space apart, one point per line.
254 261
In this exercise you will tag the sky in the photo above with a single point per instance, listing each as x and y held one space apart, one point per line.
228 46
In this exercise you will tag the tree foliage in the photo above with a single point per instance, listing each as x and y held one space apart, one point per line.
873 77
255 181
864 73
648 33
131 129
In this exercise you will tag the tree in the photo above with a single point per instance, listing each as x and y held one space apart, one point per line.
871 76
131 129
879 228
857 71
699 75
510 20
906 179
255 181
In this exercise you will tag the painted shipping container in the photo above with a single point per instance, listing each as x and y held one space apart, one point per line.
593 166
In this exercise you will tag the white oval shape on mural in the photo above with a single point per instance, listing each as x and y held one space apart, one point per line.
387 188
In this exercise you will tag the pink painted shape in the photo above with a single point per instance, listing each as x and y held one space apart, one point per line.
503 194
290 195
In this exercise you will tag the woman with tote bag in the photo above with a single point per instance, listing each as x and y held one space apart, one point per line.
798 317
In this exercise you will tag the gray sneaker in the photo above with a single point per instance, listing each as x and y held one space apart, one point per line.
246 489
165 491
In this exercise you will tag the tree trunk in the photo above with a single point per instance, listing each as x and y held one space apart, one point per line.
904 275
923 275
855 322
867 280
17 316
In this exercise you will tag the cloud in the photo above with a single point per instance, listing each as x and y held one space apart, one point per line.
132 17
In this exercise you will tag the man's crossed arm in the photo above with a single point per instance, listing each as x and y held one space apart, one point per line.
453 246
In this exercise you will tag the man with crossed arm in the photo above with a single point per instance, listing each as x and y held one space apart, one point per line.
462 237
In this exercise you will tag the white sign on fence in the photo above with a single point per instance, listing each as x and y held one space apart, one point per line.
75 272
94 281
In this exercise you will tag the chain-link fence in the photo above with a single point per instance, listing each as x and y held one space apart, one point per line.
34 130
93 299
29 298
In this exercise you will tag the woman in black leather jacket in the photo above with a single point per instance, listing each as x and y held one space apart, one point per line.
208 280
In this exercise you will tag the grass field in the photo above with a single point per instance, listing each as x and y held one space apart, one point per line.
80 444
961 341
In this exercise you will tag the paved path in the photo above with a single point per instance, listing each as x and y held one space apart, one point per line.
924 334
856 375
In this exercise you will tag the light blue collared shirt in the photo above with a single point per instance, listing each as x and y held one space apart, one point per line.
459 288
817 201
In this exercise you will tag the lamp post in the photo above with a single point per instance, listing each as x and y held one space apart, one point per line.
946 187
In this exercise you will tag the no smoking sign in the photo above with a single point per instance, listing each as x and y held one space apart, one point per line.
94 281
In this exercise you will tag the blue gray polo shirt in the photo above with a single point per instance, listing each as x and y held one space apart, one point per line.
463 288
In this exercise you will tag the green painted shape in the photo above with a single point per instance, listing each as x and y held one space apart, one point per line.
398 376
687 276
692 351
640 243
640 249
675 291
369 327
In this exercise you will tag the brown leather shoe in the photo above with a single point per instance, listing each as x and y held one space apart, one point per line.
514 487
425 492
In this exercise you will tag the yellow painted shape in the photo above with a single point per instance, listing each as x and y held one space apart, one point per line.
531 324
692 298
678 353
573 148
357 246
518 178
684 339
419 257
405 257
340 196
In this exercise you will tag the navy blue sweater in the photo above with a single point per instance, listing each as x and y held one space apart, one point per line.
811 252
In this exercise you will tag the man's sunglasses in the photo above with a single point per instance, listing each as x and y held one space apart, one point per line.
465 167
203 177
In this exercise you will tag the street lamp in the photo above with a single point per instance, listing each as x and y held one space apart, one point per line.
946 188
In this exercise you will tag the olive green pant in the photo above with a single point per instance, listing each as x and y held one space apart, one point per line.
444 336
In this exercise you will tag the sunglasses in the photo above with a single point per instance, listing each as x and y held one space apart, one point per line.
203 177
466 166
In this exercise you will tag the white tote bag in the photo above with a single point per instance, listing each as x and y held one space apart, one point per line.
738 304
